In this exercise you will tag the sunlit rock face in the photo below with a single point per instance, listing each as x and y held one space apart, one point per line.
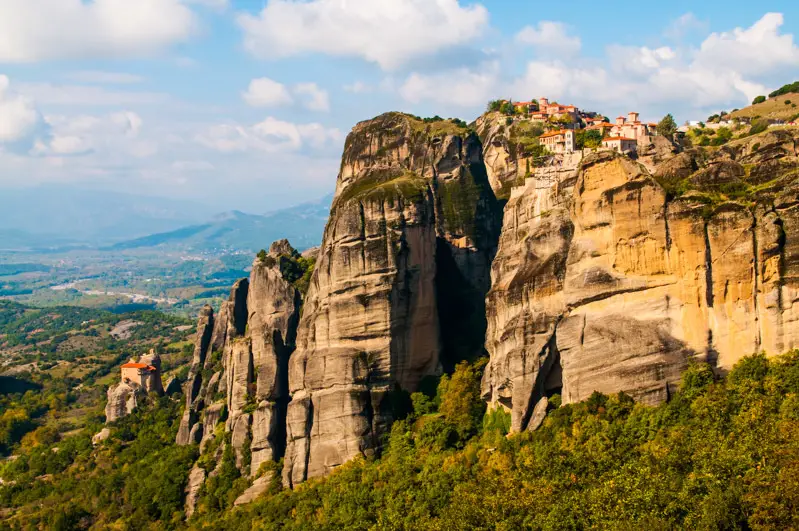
398 288
605 281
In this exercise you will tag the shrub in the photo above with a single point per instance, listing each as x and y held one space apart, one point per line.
758 126
758 99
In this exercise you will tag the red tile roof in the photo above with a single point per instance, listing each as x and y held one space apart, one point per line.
138 366
553 133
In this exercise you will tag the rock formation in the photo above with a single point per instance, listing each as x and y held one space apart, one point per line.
398 286
190 429
123 398
138 379
608 280
238 379
604 274
195 483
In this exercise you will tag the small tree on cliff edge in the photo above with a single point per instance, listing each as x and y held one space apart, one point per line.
667 126
759 99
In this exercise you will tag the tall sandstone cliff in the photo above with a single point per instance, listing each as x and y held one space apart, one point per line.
239 372
604 274
398 288
613 279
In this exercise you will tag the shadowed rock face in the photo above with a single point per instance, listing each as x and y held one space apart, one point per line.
246 351
412 229
604 282
190 431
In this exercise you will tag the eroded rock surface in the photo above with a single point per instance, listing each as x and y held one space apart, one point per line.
398 286
123 398
605 281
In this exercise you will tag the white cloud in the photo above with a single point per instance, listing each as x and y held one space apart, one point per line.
129 122
38 30
389 32
756 50
316 98
88 95
550 38
73 135
18 115
358 87
727 69
462 87
271 135
265 92
104 78
639 60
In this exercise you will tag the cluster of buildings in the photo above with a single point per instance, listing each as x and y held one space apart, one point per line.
623 135
543 111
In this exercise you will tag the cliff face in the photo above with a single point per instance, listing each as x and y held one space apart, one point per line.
190 430
239 372
613 279
609 275
398 286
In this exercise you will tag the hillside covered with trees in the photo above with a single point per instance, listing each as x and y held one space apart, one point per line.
708 459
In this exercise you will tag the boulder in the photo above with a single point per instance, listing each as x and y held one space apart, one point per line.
122 400
195 483
538 415
101 436
258 487
283 247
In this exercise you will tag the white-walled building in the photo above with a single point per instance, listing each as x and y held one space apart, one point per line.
562 141
621 144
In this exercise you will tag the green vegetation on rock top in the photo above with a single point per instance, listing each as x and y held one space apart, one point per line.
383 184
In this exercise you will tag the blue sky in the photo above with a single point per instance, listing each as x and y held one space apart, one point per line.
245 104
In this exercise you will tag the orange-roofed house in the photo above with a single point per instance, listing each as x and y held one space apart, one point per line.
603 127
138 373
620 144
561 141
146 372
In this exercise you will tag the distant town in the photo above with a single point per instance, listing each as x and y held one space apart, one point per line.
563 125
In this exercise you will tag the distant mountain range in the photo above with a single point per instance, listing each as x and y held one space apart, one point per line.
62 217
56 216
302 225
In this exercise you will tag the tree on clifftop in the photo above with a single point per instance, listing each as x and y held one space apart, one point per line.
667 126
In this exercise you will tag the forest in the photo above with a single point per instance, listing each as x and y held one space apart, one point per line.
707 459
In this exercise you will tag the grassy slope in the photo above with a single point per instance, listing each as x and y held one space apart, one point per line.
773 108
